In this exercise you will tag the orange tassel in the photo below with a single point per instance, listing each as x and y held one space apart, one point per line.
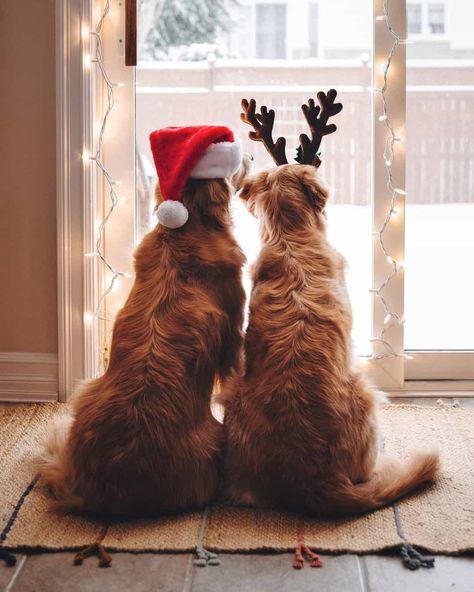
302 551
98 549
298 561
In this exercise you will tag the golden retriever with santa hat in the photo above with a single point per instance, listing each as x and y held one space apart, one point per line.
142 438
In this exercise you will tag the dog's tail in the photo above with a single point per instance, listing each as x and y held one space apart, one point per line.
54 465
391 480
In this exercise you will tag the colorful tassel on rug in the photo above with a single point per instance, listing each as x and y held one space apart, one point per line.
8 557
302 551
203 556
411 558
96 548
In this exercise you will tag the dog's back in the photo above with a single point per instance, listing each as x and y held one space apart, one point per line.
301 429
143 438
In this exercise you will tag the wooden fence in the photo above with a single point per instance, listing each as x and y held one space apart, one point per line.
440 119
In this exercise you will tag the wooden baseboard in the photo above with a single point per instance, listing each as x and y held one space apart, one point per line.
28 377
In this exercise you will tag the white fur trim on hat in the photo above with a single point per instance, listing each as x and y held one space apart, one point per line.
172 214
220 160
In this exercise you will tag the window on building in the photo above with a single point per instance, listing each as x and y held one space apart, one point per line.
313 29
426 18
270 25
436 19
414 22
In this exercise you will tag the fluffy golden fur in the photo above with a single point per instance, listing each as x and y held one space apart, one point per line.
142 438
300 426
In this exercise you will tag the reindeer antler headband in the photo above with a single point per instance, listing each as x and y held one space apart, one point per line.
317 117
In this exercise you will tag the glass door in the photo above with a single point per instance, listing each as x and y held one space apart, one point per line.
195 65
439 282
408 244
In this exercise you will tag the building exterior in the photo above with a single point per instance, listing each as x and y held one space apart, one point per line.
341 29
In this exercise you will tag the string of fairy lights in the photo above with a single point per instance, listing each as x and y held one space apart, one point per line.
397 195
94 37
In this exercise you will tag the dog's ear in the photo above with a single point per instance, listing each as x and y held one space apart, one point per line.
246 188
314 188
245 169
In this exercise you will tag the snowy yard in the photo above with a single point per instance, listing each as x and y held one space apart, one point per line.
439 270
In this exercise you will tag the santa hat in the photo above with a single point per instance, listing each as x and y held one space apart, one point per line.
197 152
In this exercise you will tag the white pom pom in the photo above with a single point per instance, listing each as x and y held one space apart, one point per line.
172 214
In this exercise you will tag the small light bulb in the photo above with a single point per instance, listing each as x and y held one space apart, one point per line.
86 156
86 60
389 259
381 17
388 161
85 31
409 357
398 139
383 117
92 254
406 42
396 211
401 264
383 66
88 317
120 84
387 318
400 191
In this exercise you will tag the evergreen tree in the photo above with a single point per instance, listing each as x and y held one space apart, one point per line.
181 23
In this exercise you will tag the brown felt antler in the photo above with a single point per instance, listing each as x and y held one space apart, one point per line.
262 124
317 117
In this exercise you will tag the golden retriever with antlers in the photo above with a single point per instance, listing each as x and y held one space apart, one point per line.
300 427
143 439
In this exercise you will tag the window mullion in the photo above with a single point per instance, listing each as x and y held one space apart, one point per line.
386 367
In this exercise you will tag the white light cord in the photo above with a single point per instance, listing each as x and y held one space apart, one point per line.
391 318
110 182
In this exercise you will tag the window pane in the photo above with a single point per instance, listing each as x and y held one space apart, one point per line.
414 18
200 78
436 18
439 273
271 31
313 29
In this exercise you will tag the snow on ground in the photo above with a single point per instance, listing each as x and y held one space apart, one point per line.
439 270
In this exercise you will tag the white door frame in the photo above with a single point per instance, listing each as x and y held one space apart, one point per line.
75 216
69 117
79 101
386 367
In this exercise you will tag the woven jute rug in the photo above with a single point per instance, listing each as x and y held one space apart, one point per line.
440 518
